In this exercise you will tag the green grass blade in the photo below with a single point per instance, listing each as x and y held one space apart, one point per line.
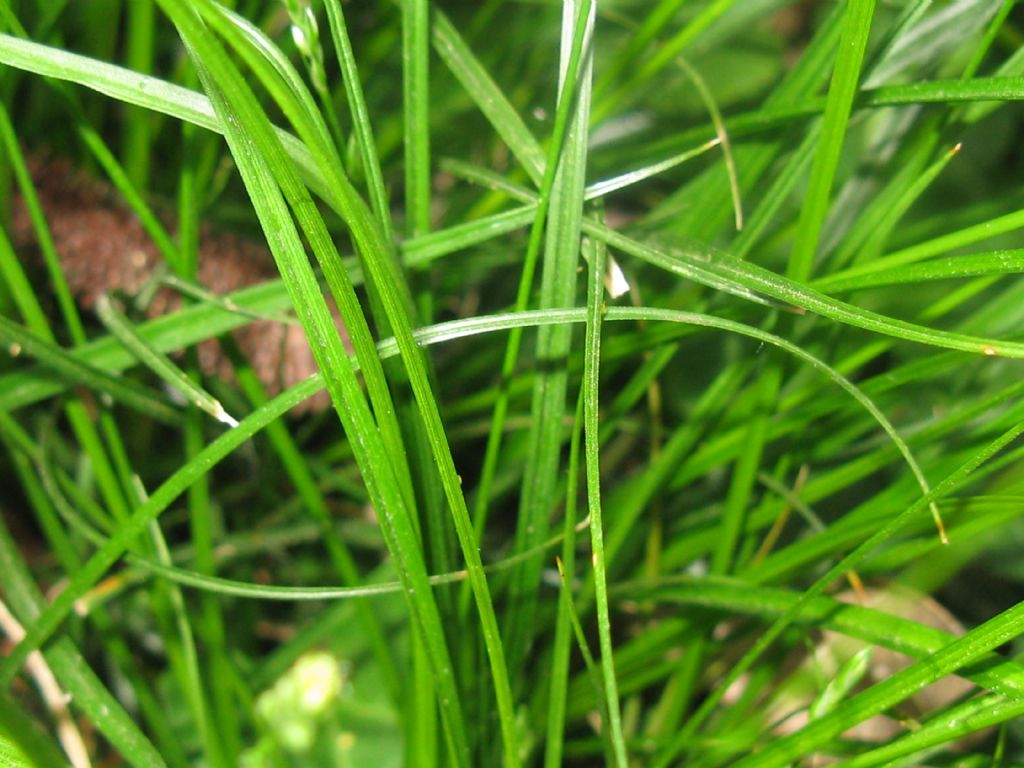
1008 262
561 644
19 341
958 653
489 98
137 144
57 611
736 596
23 743
121 329
360 114
565 176
415 111
845 78
68 310
19 288
700 263
591 380
953 726
942 244
851 561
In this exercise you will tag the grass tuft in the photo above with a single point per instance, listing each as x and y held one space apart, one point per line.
640 331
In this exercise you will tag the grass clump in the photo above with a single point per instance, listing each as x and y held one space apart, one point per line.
563 384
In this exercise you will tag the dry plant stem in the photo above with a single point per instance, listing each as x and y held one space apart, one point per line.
103 248
54 698
772 537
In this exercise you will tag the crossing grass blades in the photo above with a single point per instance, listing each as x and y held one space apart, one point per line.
524 384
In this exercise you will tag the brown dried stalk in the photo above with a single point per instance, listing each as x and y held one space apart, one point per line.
103 247
55 698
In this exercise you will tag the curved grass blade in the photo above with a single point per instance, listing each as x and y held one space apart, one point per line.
376 463
274 592
393 294
851 561
53 615
462 328
416 114
709 266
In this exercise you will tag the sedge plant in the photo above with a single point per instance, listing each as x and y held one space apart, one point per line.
656 397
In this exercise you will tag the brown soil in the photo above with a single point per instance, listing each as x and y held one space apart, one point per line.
103 247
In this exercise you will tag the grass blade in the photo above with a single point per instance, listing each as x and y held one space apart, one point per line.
845 78
565 177
700 263
591 380
73 370
122 330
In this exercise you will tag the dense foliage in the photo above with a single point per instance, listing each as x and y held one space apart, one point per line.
673 350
